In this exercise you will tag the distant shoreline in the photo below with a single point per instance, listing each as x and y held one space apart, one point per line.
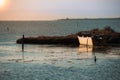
67 19
88 18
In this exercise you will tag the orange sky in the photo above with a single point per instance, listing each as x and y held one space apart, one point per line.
57 9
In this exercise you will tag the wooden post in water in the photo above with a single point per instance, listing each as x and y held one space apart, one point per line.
95 59
23 43
23 47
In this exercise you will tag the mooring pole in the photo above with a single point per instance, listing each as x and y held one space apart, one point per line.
23 43
95 59
23 47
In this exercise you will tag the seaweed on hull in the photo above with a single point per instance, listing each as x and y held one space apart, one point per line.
101 37
56 40
106 36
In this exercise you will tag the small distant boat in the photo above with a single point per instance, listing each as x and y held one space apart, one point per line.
85 41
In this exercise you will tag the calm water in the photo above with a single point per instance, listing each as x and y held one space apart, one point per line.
10 31
59 27
52 59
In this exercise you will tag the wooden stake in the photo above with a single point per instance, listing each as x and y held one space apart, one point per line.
23 44
23 47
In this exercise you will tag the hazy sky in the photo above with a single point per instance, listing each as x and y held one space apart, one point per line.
57 9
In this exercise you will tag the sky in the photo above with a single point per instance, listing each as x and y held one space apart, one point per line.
58 9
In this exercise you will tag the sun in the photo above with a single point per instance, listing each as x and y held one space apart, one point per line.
2 3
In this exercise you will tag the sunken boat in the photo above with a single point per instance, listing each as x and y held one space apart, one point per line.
99 37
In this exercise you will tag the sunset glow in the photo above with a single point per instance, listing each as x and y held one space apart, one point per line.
57 9
2 3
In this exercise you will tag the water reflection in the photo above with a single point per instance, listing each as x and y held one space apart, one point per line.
85 51
50 54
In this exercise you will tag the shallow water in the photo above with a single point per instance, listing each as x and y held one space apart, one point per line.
52 54
50 62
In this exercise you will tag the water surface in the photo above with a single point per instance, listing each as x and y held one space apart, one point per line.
53 62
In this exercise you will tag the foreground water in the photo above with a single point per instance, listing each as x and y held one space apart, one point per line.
51 62
105 69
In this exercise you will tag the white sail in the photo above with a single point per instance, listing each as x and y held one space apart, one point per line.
85 40
90 42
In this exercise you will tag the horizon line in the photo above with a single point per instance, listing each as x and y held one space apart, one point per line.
67 18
